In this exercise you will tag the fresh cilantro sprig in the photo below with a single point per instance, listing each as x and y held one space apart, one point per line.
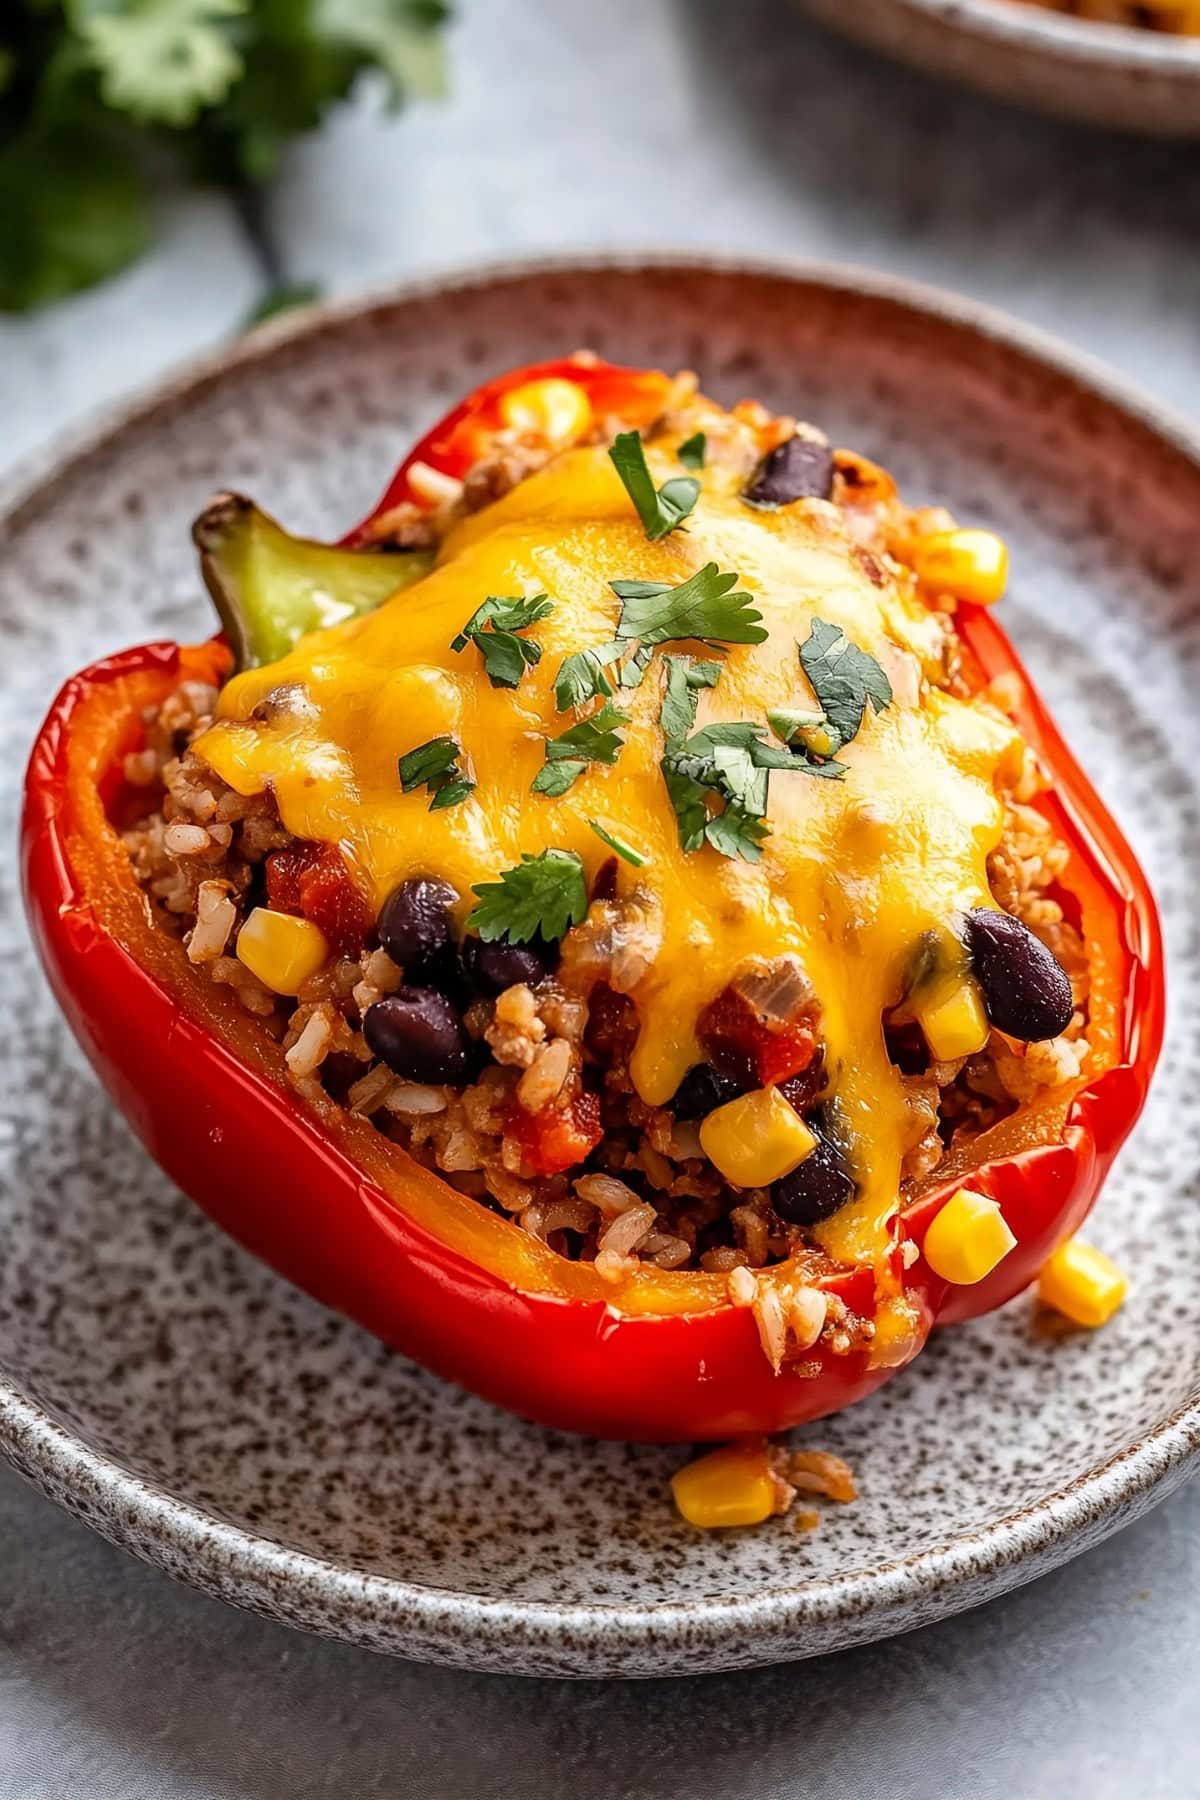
542 895
844 678
582 676
703 607
663 509
692 451
434 765
653 613
624 850
596 739
94 92
493 628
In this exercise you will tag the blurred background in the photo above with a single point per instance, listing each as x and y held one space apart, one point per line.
743 128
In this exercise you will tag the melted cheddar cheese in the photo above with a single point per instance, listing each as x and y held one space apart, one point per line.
854 871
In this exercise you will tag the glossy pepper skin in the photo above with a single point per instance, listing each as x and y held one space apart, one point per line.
343 1213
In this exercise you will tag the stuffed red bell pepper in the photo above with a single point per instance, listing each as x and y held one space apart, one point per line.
621 926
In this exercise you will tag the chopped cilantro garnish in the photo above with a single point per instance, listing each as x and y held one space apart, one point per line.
701 607
593 740
688 797
633 669
660 509
844 678
736 832
619 845
731 762
543 894
719 763
435 766
493 626
812 739
652 613
582 676
691 451
685 678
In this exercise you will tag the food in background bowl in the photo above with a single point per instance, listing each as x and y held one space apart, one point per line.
1182 17
621 926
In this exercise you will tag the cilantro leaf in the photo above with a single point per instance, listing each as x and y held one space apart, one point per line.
689 799
685 678
582 676
720 762
73 211
554 778
434 765
543 894
731 762
844 679
493 626
692 451
701 607
162 61
592 740
633 669
660 509
505 613
619 845
736 832
398 36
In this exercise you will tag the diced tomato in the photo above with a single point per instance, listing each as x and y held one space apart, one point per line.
785 1052
554 1140
283 870
313 879
756 1049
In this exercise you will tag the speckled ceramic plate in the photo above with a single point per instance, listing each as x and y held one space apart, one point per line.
1120 77
198 1411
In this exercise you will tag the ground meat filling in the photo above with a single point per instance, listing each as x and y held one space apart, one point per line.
506 1068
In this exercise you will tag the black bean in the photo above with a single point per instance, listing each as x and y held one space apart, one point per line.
799 469
414 925
801 1090
816 1187
490 968
702 1088
1026 993
418 1034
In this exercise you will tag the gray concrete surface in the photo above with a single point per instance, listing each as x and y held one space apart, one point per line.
638 122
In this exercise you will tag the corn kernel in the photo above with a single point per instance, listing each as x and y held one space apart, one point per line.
967 1239
556 410
955 1025
1082 1283
730 1486
971 565
756 1138
282 950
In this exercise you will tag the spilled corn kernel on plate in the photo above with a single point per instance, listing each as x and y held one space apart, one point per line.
196 1409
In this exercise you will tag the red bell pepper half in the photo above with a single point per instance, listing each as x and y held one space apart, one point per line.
345 1214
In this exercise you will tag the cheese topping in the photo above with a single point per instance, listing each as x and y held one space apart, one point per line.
854 871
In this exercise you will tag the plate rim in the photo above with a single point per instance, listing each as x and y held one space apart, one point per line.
211 1553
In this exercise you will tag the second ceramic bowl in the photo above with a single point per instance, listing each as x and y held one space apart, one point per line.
1120 78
